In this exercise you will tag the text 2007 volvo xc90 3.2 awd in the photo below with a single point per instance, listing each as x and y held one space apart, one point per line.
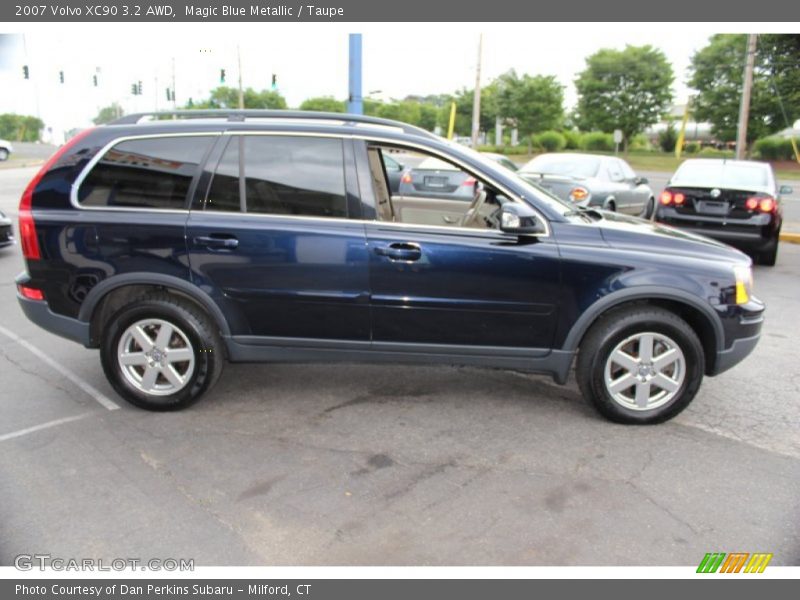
173 245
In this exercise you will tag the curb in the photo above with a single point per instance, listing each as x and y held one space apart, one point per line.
792 238
21 165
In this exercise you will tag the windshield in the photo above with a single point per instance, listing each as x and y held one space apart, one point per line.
531 190
563 164
721 174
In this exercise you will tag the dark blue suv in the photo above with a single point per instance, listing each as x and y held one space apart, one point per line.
176 242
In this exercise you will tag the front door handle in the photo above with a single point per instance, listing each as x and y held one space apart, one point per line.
217 241
400 251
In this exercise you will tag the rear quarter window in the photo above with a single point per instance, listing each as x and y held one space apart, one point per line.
152 173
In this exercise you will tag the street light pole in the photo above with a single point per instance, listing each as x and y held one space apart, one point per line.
747 87
476 99
239 60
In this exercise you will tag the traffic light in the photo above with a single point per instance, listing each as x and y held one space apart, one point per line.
169 95
139 88
61 76
26 72
94 80
134 90
274 81
222 75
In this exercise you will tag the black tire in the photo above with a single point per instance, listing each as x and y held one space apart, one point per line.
623 324
204 340
3 154
610 205
769 256
649 209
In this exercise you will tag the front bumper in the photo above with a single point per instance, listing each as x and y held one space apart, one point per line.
743 335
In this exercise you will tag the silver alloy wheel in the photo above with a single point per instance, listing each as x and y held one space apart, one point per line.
156 357
645 371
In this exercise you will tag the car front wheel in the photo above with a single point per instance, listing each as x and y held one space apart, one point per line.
640 365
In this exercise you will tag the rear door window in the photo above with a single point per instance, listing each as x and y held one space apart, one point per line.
152 173
280 175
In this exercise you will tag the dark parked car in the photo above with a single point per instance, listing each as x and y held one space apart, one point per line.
605 182
735 201
173 245
6 231
394 171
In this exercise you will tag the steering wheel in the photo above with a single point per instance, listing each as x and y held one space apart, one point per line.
474 211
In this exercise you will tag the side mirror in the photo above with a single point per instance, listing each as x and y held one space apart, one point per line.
641 180
400 166
520 219
785 189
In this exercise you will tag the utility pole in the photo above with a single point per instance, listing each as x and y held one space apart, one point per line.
747 87
173 83
476 99
239 60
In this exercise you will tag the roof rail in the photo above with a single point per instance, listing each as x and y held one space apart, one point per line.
239 115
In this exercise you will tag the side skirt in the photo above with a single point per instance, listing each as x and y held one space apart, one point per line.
304 350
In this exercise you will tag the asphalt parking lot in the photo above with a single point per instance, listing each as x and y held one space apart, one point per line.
383 465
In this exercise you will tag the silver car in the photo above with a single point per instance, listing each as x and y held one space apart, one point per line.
605 182
5 149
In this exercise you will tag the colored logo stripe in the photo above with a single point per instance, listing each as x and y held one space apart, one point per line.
758 562
734 562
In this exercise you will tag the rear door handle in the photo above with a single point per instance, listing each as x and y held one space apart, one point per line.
221 241
400 251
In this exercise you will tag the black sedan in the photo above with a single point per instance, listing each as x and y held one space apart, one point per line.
735 201
605 182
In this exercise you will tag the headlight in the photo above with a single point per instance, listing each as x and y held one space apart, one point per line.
744 283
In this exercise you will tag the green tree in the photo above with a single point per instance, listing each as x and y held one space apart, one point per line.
324 104
228 97
20 128
625 89
717 71
464 101
668 138
108 114
535 103
406 111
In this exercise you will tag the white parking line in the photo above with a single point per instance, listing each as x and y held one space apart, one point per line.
84 385
21 432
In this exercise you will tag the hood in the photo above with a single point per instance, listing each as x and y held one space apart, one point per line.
624 232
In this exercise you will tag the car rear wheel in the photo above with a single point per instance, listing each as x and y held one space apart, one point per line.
161 353
640 365
3 154
609 204
769 256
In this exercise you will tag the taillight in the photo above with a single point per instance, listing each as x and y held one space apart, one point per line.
27 226
668 197
30 293
764 204
469 181
578 194
767 205
406 178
